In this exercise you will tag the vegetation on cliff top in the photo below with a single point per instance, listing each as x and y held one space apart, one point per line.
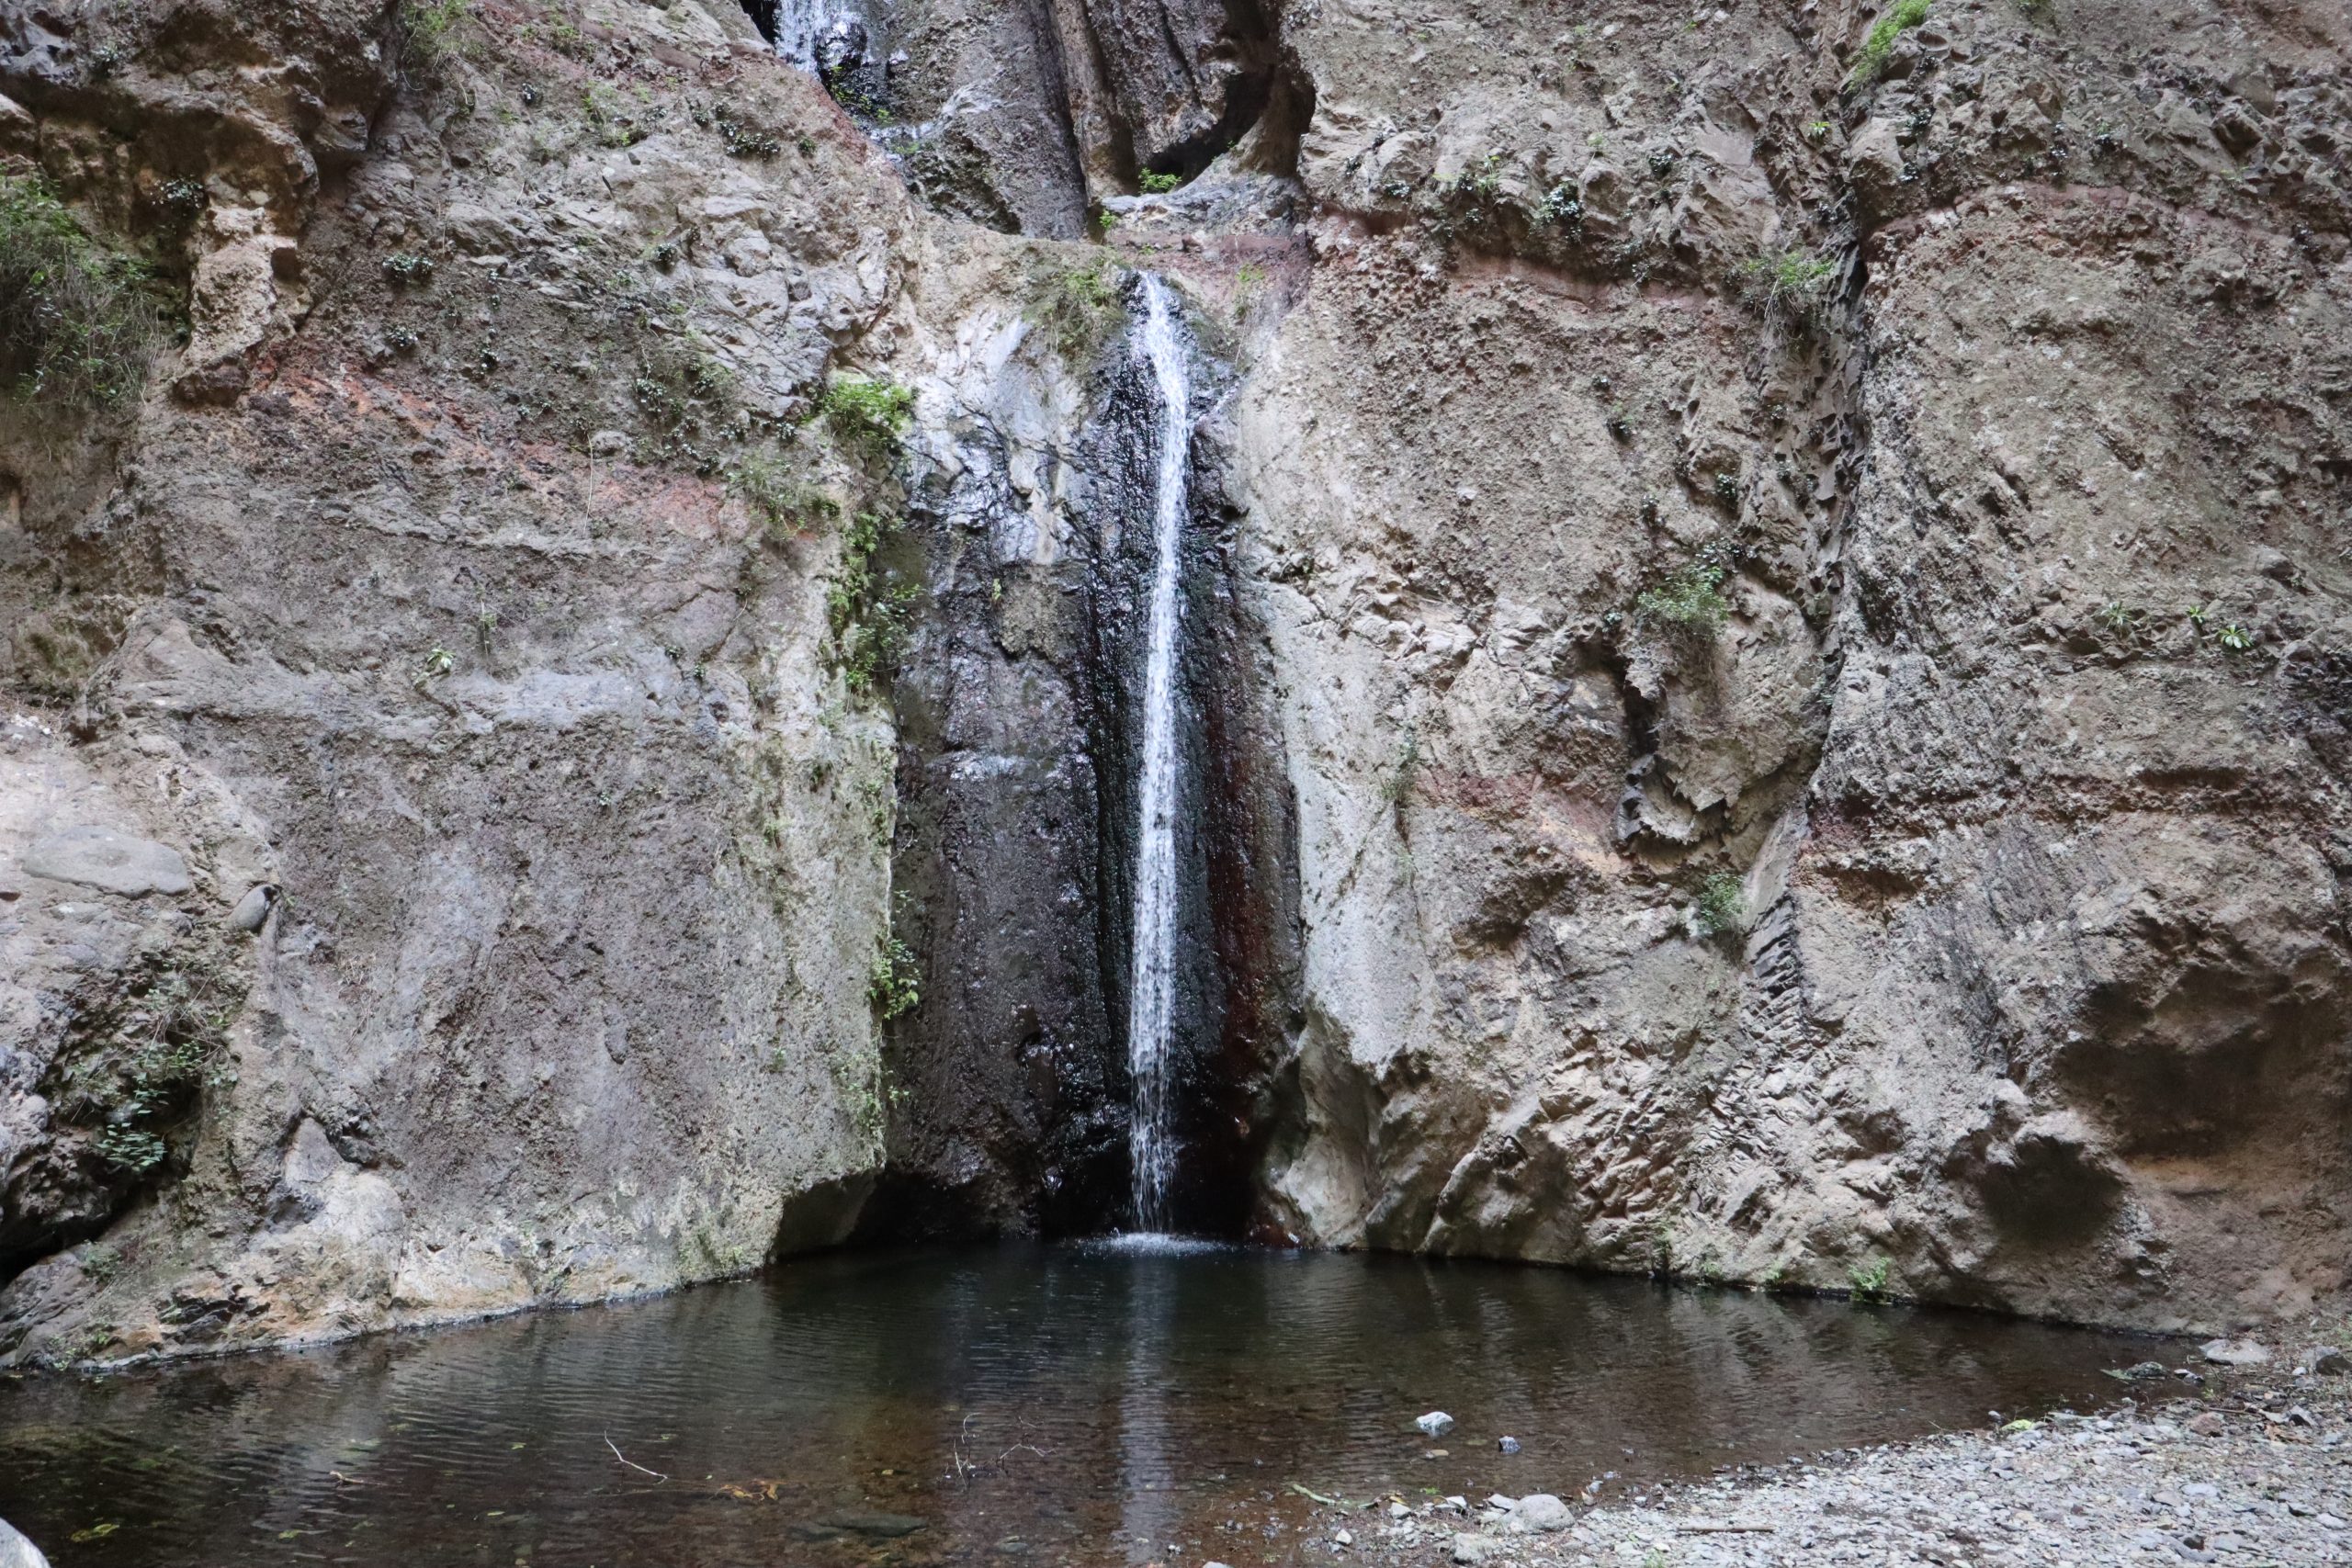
78 322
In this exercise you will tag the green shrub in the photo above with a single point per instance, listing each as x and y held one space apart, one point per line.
1156 183
78 322
896 985
870 412
429 33
1079 309
1900 19
1690 602
1869 1284
1721 909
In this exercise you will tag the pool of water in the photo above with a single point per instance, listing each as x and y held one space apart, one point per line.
1015 1406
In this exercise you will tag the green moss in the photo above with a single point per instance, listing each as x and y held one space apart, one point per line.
78 322
1900 19
786 506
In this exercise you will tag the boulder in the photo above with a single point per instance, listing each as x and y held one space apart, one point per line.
1541 1512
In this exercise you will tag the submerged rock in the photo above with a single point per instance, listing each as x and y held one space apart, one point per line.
1436 1424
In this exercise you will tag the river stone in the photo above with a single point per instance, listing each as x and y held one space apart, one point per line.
2330 1361
1436 1424
1541 1511
114 862
2234 1352
16 1552
1468 1548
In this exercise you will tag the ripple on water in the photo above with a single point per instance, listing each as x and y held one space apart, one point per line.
1080 1405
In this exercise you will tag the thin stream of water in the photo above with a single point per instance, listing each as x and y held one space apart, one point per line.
1160 341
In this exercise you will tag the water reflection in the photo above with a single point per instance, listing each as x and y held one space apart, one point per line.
1012 1406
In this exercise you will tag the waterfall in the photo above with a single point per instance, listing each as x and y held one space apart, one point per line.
1160 343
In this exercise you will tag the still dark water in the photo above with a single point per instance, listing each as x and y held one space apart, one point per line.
1013 1405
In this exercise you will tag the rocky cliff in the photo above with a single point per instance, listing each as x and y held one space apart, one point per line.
1769 658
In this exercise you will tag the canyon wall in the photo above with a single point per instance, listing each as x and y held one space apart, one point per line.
1768 603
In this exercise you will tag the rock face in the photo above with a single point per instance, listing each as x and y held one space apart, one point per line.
1767 679
1810 640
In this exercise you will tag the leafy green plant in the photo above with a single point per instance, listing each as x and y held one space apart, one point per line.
868 412
1721 907
1153 183
896 985
1480 181
78 322
1867 1285
2119 617
1690 602
1900 19
2234 638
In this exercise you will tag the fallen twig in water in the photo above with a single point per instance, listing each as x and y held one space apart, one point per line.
630 1462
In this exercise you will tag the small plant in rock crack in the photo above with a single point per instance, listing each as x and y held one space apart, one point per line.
2119 617
1151 182
437 663
868 412
1482 180
1692 602
2235 639
1879 45
1791 281
1726 490
409 269
787 507
1561 209
1868 1284
896 985
1721 909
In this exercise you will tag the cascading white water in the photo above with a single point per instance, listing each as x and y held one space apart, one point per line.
1159 342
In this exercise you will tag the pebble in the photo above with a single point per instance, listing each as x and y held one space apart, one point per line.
2246 1480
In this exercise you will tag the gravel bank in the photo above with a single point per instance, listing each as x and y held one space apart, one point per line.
2250 1470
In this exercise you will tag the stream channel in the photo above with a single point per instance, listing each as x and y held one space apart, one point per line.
1016 1404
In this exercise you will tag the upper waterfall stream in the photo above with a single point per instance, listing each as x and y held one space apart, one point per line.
1160 341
